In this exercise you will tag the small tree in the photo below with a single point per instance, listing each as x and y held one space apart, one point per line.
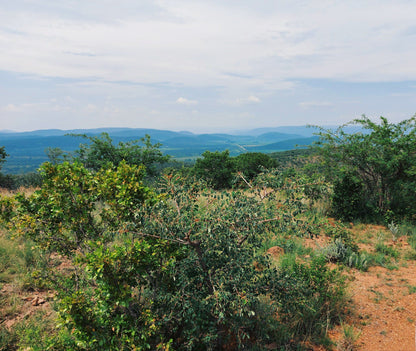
5 180
3 155
252 163
101 151
381 157
216 168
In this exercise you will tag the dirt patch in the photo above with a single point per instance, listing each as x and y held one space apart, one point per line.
26 304
385 306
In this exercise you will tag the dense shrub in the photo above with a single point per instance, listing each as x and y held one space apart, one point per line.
373 169
182 268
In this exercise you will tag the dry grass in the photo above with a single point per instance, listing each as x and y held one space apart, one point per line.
25 190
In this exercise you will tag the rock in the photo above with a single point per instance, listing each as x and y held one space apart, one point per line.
275 251
38 301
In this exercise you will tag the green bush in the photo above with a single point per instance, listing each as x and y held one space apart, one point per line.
311 297
181 269
217 168
387 250
349 199
373 169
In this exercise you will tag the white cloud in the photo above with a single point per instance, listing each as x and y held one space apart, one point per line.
11 108
241 101
193 42
311 104
253 98
184 101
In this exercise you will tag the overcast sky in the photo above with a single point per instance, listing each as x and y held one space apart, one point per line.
204 65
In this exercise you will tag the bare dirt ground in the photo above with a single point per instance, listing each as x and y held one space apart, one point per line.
383 300
385 307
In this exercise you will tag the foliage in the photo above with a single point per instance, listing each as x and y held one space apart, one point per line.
336 251
101 151
349 340
216 168
56 155
250 164
295 158
182 269
3 155
3 179
348 201
387 250
358 260
16 181
377 165
311 296
76 205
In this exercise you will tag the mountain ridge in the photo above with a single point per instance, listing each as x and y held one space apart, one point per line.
27 149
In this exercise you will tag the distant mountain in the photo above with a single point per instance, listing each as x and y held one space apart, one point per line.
285 145
27 149
303 131
276 136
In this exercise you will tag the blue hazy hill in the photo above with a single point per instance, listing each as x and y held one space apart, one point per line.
27 149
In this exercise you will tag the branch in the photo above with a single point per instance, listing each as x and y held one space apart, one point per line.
240 174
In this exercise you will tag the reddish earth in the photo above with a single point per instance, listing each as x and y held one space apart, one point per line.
383 300
385 307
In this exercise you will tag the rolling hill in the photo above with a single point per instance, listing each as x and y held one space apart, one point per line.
27 149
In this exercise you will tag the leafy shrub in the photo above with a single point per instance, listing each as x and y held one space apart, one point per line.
374 170
311 297
348 200
358 260
217 168
174 269
387 250
337 251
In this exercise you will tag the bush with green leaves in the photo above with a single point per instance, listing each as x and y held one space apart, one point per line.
100 151
181 268
216 168
250 164
373 169
311 296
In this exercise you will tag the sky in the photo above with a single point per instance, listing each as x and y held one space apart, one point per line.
204 66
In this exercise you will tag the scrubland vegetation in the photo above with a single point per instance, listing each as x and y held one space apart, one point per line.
233 253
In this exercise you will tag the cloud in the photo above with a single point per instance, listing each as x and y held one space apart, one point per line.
253 98
184 101
194 42
11 108
264 56
312 104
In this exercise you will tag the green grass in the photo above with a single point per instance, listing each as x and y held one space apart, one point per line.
20 263
387 250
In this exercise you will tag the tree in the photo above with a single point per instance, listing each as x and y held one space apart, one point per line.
5 180
380 160
3 155
217 168
251 164
56 155
101 151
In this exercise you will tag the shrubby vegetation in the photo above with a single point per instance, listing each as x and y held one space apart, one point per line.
100 151
374 170
181 262
181 267
15 181
219 168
